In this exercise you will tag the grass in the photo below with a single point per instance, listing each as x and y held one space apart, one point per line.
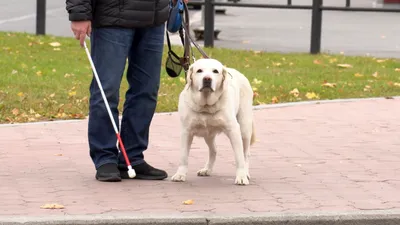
43 82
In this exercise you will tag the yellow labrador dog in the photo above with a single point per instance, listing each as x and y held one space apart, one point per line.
216 100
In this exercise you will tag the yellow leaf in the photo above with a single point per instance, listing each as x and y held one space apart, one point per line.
256 81
396 84
55 44
52 95
20 94
329 85
255 89
274 99
31 111
52 206
54 70
375 74
72 93
182 80
277 64
295 92
380 60
332 60
367 88
14 72
344 65
39 73
311 95
188 202
397 69
358 75
57 49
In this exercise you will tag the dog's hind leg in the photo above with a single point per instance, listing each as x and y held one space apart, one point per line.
212 154
246 128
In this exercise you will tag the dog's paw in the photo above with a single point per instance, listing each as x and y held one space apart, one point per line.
179 177
242 178
204 172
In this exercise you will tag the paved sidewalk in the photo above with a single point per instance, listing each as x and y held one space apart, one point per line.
311 158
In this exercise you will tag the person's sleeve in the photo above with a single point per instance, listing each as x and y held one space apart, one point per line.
79 10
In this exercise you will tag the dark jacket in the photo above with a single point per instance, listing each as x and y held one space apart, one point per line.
120 13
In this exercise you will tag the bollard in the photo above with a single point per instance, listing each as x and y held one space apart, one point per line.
209 23
289 2
316 27
40 17
347 3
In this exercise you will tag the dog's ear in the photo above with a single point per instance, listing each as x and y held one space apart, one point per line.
189 76
225 74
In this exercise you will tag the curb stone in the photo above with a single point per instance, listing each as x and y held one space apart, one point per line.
371 217
257 107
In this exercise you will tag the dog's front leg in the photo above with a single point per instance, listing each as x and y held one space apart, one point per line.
235 137
186 142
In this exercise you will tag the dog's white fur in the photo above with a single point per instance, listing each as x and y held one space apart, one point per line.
224 107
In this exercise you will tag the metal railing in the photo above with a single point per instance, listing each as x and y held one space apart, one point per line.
316 17
209 17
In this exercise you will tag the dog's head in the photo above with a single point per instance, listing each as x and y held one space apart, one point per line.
206 75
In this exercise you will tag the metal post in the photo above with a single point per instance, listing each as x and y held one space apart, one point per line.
289 2
347 3
209 23
40 17
316 27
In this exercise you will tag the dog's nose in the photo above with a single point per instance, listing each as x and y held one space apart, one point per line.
207 82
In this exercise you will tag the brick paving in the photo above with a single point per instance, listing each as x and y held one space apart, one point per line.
308 158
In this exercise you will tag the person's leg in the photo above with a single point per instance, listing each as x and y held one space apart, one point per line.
141 99
109 51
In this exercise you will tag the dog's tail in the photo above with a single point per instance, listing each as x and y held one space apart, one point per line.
253 135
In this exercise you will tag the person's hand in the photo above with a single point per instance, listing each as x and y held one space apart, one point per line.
81 29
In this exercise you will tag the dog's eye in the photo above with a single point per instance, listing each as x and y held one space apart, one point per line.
199 71
215 71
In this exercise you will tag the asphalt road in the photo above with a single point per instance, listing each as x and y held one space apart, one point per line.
355 33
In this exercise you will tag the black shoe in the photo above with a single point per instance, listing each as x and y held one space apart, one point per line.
144 172
108 173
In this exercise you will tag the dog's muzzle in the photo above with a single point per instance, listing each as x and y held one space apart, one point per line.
207 82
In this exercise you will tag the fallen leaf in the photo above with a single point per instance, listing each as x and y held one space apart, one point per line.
311 95
15 111
375 74
367 88
188 202
380 60
247 66
277 64
295 92
332 60
274 99
358 75
255 89
52 95
316 61
55 44
256 52
182 80
57 49
14 72
39 73
52 206
54 70
72 93
329 85
344 65
396 84
20 94
397 69
256 81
